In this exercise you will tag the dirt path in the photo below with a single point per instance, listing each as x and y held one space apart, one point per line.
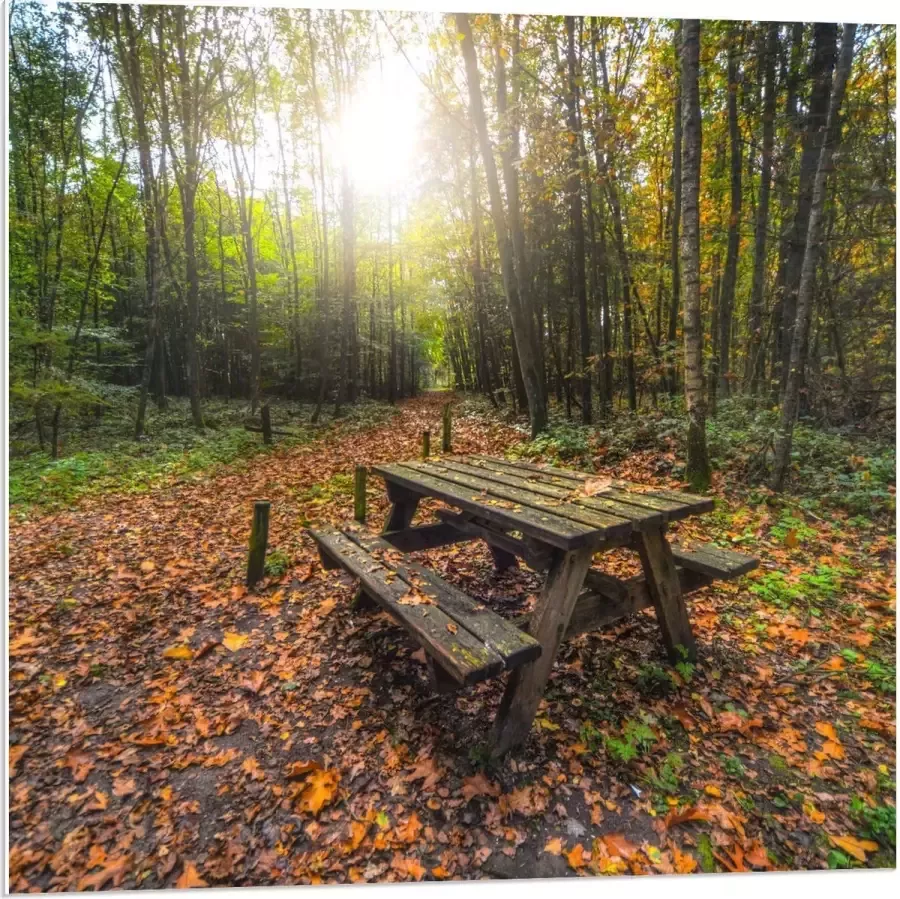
168 728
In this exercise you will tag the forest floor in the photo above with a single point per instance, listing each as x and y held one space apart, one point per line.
168 728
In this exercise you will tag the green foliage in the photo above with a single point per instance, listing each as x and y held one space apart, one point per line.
878 823
636 738
277 563
653 680
561 443
666 779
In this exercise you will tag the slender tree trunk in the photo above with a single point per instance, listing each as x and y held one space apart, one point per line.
676 220
698 473
519 320
576 213
729 279
754 362
829 142
820 70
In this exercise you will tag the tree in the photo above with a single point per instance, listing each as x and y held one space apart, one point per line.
830 141
521 330
698 473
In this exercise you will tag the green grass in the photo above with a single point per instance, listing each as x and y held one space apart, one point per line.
102 458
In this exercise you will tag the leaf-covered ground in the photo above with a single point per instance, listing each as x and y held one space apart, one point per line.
170 729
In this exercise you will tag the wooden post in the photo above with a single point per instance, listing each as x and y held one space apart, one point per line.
359 494
259 541
266 424
548 623
665 590
426 444
446 442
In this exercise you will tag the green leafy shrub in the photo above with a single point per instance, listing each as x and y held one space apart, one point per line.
636 739
277 563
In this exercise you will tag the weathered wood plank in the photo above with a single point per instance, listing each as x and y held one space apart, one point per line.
536 557
665 591
425 536
559 532
609 526
675 502
404 503
548 625
465 658
504 637
714 561
640 518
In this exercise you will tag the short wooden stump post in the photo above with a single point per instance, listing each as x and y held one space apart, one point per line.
426 444
266 417
359 494
447 424
259 541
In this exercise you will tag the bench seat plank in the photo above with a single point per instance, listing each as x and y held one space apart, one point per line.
464 657
715 562
502 636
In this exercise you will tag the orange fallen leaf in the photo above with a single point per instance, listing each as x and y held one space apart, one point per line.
409 833
853 846
320 789
178 652
685 863
147 566
114 870
576 857
826 729
440 872
189 878
478 785
234 641
554 846
617 844
301 769
712 790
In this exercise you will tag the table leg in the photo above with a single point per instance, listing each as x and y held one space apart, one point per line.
547 625
403 506
665 591
502 559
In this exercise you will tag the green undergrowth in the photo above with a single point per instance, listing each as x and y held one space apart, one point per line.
831 468
98 456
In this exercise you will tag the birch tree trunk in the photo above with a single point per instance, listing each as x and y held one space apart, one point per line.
697 460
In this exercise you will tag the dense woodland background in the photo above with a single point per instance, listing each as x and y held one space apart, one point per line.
537 253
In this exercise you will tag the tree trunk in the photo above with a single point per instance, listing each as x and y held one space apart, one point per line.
754 361
672 333
729 279
520 325
698 473
820 70
830 138
576 213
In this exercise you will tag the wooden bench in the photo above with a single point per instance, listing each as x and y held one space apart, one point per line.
714 562
464 641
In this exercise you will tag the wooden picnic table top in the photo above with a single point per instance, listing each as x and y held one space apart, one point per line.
563 508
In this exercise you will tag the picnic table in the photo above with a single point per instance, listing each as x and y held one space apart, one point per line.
555 520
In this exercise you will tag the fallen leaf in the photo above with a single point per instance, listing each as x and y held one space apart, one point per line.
554 846
617 844
320 789
576 857
852 846
189 878
178 652
234 641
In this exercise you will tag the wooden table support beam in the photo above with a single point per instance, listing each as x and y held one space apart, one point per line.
549 622
665 591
